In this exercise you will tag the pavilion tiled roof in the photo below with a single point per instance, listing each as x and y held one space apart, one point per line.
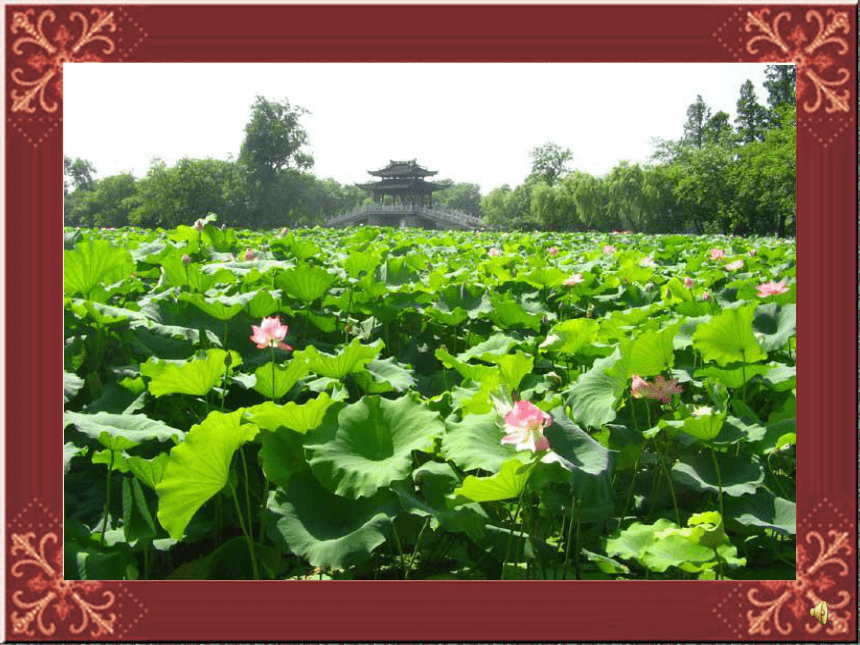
410 168
406 184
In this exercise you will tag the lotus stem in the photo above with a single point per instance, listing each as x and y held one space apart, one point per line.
569 533
669 480
415 550
107 498
273 374
399 549
247 490
719 483
247 535
511 535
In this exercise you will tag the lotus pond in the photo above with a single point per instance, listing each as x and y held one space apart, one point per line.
378 403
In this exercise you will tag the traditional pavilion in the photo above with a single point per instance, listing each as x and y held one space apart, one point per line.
403 197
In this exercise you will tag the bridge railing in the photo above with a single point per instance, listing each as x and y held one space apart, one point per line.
453 216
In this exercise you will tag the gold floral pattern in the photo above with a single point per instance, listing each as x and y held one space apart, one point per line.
780 608
814 580
778 42
42 41
42 603
90 45
817 42
48 588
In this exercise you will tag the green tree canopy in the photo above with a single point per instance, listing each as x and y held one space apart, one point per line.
752 119
550 162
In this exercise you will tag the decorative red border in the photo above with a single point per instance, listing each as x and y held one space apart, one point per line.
820 40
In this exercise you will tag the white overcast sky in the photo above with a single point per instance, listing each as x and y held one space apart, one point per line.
473 122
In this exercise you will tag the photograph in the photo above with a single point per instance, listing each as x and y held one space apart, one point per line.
348 333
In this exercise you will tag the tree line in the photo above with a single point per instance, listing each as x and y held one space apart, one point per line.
718 177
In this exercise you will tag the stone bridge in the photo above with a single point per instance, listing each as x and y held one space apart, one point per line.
400 215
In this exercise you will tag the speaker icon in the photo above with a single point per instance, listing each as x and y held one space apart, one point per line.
820 613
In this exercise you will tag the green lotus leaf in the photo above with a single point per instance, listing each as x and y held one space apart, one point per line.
513 367
330 532
121 431
590 465
781 377
70 451
573 335
728 337
507 313
358 263
72 384
476 373
194 377
305 282
137 522
285 377
297 417
495 345
633 541
351 358
230 561
774 325
741 475
428 496
263 304
650 353
282 455
763 510
475 443
704 427
732 375
677 550
593 397
199 467
362 447
386 375
301 247
175 273
508 483
677 290
94 263
116 460
148 471
219 307
545 277
663 544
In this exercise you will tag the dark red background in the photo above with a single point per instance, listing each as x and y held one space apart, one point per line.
485 611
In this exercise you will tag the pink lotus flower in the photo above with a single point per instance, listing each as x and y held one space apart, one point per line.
523 425
706 295
282 232
553 250
688 282
270 333
716 254
663 389
647 262
751 252
659 389
494 253
186 259
608 249
199 225
574 279
734 266
250 255
640 387
772 288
